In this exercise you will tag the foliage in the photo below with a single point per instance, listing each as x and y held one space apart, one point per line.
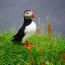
47 51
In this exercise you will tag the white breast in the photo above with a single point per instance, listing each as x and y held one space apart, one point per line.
30 28
29 31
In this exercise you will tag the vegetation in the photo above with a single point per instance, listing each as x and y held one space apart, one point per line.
48 50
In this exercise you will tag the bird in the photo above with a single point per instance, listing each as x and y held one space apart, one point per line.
28 28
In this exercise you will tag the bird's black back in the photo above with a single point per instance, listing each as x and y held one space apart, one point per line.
18 36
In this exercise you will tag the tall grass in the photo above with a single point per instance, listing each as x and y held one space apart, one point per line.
45 52
43 49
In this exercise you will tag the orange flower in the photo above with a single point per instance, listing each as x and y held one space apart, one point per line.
44 63
41 57
39 27
39 31
49 30
33 61
63 56
49 27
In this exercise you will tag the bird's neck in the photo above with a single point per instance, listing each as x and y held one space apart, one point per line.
27 21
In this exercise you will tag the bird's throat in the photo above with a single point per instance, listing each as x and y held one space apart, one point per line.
27 21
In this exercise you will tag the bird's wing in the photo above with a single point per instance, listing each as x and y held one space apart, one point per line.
18 36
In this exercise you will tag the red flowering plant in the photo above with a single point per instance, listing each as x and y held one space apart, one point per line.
63 57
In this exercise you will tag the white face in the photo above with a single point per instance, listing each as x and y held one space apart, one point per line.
28 14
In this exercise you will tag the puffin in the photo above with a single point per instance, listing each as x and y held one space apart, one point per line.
28 28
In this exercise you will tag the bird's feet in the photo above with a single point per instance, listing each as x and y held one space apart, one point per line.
30 45
27 43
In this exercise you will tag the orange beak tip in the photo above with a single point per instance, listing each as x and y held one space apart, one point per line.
34 16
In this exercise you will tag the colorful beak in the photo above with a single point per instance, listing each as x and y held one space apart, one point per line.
33 16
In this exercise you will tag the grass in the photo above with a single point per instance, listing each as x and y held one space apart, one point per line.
47 51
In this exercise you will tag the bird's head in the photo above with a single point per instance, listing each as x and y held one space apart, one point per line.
28 14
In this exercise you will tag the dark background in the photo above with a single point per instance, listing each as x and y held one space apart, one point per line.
53 11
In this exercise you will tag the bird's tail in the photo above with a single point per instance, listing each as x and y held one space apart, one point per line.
16 38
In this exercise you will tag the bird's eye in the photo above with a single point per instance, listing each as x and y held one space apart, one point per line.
27 13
